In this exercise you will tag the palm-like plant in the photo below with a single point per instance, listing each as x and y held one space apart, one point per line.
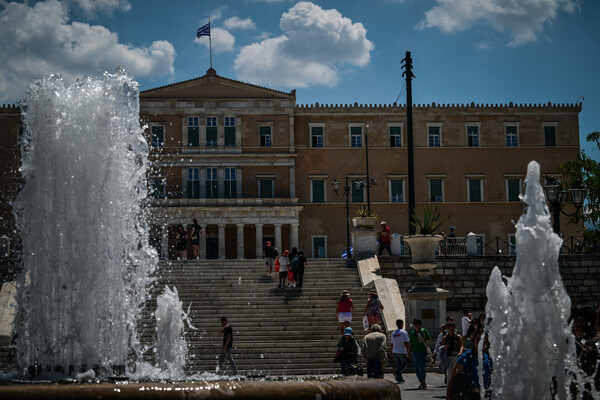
430 221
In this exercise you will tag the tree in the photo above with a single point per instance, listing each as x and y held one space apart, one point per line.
584 171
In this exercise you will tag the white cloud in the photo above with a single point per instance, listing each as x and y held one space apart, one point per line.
236 23
222 40
92 7
314 43
39 40
524 19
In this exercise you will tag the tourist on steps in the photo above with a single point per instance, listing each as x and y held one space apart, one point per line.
227 344
284 262
374 351
195 239
270 254
181 237
373 309
300 273
344 310
348 351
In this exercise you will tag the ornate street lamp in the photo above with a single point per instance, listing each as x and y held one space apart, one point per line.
558 198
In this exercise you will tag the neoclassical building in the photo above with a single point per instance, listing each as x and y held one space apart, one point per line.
252 165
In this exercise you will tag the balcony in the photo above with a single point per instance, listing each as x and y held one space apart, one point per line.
243 202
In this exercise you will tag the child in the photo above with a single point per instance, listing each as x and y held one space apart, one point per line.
290 278
284 261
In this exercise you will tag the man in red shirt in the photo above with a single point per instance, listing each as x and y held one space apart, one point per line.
385 239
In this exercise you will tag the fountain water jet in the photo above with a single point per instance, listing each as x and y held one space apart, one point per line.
87 262
532 345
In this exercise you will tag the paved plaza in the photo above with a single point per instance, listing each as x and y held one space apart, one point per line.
436 389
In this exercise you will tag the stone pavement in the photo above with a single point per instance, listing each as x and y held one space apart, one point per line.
436 389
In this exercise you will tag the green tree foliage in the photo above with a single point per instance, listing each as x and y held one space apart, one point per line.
584 171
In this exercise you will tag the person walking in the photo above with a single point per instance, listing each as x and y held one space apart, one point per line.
227 344
344 310
348 352
284 262
468 388
465 322
373 309
452 345
302 262
373 349
270 254
419 340
385 239
181 237
400 349
195 239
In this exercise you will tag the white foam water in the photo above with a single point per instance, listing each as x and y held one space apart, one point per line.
87 262
171 348
531 342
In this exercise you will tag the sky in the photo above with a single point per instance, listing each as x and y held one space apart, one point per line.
330 51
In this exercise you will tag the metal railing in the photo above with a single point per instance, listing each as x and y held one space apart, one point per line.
501 246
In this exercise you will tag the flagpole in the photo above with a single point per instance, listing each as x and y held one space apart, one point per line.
210 44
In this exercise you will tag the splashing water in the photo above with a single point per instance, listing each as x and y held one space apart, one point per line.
531 341
171 348
87 260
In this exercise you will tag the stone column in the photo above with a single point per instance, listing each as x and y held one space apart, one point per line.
221 241
164 242
278 238
259 239
240 241
294 235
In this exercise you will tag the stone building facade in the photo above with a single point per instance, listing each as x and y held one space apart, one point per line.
251 165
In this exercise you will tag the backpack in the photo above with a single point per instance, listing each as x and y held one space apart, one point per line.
462 385
295 264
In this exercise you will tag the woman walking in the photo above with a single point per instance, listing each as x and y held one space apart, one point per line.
181 242
344 310
373 309
284 262
348 351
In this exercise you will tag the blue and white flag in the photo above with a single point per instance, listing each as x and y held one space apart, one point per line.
203 31
345 254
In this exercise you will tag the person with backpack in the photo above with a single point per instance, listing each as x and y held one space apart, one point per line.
348 352
270 253
300 272
464 380
452 346
294 267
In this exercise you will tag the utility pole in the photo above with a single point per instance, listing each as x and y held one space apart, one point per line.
409 135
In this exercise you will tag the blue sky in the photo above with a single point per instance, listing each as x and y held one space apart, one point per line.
331 51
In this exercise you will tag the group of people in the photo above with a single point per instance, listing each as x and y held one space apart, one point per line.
290 266
181 237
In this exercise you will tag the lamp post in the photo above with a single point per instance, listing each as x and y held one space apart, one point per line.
347 188
558 198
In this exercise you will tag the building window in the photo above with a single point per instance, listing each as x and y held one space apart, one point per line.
158 189
475 191
511 132
158 136
434 135
212 183
316 136
356 136
358 196
265 189
317 191
550 135
229 131
193 132
211 131
513 189
512 244
395 136
193 183
265 134
473 135
230 183
435 190
319 246
396 191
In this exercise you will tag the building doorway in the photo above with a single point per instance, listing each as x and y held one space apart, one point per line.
212 248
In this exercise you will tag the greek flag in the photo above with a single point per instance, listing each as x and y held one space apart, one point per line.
345 254
203 31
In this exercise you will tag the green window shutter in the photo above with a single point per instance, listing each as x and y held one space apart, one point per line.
229 136
211 136
474 190
266 189
514 189
550 136
193 136
318 191
357 195
435 189
230 192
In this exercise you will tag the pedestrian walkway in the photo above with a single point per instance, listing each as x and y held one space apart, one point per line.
436 389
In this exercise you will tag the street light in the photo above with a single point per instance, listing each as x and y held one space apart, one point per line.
347 190
558 197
